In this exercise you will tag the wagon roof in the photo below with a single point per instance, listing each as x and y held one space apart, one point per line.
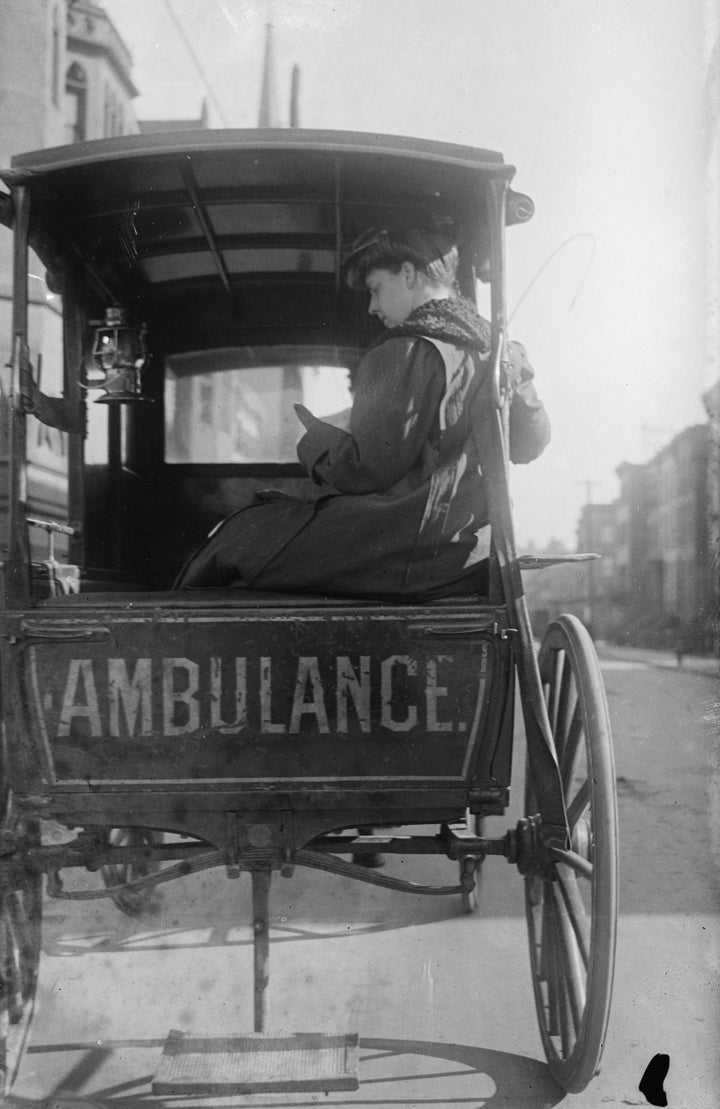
164 222
209 142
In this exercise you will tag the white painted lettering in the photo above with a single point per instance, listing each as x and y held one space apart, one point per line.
135 696
225 695
216 691
386 693
88 709
174 698
432 692
349 685
266 722
308 669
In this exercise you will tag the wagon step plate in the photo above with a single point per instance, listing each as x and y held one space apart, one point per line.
256 1063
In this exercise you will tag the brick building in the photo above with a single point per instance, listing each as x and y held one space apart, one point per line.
656 584
711 400
678 566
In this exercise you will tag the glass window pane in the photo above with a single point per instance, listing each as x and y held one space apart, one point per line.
244 414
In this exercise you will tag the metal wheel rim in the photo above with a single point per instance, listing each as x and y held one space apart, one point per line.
572 951
20 939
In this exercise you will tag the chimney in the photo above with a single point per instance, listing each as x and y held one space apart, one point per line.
295 97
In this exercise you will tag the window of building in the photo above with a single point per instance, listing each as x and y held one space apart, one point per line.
114 123
76 102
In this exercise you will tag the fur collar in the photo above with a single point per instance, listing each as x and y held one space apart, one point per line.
453 320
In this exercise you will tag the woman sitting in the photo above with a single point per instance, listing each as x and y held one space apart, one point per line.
403 511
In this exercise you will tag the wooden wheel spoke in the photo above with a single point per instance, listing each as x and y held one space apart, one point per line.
119 874
574 969
5 962
568 889
567 1038
539 937
12 993
548 966
571 744
576 862
564 985
558 667
20 923
566 705
579 803
21 920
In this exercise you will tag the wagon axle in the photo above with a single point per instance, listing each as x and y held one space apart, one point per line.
92 850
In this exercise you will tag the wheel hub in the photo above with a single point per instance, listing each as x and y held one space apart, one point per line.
530 854
582 838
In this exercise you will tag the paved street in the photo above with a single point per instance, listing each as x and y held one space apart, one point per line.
442 1001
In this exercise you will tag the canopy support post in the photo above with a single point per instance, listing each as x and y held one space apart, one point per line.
492 439
17 571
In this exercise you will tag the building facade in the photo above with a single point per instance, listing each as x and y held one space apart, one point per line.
711 400
678 565
98 89
596 534
631 541
65 77
656 583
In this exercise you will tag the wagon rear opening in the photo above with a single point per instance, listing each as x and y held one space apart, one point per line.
193 295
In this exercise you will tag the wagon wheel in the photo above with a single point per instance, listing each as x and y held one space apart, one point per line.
572 917
20 932
132 902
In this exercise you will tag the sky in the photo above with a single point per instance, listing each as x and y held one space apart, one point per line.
602 107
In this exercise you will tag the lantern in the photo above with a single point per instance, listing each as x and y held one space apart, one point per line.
119 355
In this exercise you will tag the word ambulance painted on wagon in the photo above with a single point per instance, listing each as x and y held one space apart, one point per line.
174 696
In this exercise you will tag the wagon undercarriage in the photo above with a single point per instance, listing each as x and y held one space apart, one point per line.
569 888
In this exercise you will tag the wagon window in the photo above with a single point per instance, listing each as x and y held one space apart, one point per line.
224 407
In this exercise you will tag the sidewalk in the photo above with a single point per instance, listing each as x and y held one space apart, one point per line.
693 664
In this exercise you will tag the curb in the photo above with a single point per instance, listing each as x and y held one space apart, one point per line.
662 660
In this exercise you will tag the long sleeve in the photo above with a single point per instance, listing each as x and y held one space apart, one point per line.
529 425
399 388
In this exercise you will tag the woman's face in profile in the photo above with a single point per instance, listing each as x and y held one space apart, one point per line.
392 295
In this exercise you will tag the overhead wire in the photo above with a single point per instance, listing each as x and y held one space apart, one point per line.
548 260
197 63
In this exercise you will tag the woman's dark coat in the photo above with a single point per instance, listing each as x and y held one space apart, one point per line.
403 509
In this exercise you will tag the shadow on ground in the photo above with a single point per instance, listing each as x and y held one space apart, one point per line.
392 1072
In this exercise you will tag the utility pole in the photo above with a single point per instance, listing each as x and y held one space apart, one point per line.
590 537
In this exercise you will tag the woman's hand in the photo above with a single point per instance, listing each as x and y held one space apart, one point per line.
304 415
340 420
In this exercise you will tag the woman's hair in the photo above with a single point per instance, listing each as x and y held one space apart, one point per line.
434 255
